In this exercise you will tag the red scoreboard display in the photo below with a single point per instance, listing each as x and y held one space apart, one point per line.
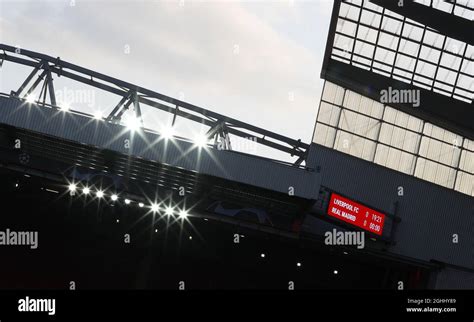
356 214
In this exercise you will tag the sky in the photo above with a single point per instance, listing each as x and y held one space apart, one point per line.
256 61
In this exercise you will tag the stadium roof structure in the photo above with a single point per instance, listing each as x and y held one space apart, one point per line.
399 88
130 96
104 153
410 45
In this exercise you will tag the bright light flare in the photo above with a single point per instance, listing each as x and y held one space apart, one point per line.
132 123
114 197
167 132
201 140
98 115
99 194
65 106
141 204
183 214
31 98
154 207
127 201
169 211
86 191
72 187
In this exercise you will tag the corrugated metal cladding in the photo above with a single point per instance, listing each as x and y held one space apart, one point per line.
430 214
230 165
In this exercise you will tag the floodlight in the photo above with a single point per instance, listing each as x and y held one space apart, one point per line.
64 106
98 115
183 214
201 140
31 98
169 211
132 123
167 132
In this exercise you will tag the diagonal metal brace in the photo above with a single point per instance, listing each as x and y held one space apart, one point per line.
120 108
27 80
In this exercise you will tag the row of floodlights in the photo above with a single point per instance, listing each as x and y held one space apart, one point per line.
132 123
154 207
